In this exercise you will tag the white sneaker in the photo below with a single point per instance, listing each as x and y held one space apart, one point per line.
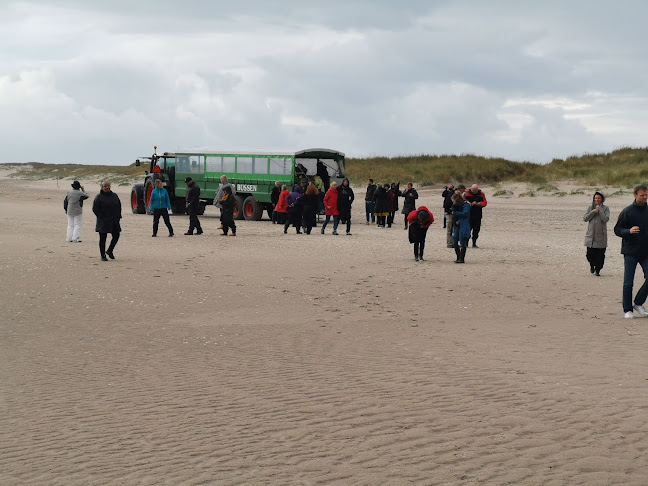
628 315
640 310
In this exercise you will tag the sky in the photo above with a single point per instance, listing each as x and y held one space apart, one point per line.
102 82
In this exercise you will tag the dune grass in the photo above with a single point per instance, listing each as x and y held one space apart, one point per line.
624 167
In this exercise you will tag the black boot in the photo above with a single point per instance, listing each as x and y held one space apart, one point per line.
475 243
462 259
456 249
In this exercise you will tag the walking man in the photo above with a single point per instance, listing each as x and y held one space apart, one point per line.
632 227
74 209
477 200
107 208
160 206
193 204
370 201
447 210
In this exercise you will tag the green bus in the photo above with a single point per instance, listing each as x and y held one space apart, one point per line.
253 175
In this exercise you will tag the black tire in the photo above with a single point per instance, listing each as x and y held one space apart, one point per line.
178 205
146 196
238 207
252 209
137 199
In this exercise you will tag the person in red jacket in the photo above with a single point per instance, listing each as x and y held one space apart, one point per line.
331 208
477 200
282 206
419 221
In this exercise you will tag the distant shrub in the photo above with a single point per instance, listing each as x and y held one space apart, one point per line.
577 191
559 194
502 192
546 188
426 183
527 194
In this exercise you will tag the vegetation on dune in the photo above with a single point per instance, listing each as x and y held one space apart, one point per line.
119 175
622 168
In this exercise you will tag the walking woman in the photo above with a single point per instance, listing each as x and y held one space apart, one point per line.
597 215
461 226
381 210
294 210
281 209
345 200
107 208
310 205
419 221
331 207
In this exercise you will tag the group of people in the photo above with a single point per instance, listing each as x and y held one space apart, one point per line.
632 228
381 203
300 206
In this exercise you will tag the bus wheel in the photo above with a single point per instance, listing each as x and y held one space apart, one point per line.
252 210
238 207
137 199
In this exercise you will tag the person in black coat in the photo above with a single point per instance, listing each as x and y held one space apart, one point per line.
310 205
344 202
382 211
394 189
274 199
322 171
193 203
107 208
409 200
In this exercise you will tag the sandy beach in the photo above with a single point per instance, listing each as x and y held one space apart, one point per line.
315 360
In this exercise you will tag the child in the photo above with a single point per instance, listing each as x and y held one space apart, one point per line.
227 211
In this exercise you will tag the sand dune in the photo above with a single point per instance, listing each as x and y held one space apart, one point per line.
295 359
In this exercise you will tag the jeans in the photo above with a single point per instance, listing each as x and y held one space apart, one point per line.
370 209
630 265
336 221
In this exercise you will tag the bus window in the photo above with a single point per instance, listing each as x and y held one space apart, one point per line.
214 163
197 165
280 166
244 165
260 165
229 164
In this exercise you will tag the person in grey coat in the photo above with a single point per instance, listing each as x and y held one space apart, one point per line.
597 215
73 205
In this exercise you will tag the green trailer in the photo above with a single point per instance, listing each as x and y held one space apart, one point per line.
253 175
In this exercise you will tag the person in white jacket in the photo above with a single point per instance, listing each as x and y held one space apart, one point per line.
73 206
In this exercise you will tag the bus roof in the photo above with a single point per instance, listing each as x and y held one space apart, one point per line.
306 153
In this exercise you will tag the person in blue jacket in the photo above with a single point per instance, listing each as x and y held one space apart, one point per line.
461 226
160 205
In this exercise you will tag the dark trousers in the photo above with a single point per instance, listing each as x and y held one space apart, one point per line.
194 223
390 218
102 242
156 220
370 208
630 265
419 242
475 225
596 257
227 225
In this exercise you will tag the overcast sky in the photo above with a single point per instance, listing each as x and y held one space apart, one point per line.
94 81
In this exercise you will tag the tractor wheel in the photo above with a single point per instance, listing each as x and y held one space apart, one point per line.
252 210
178 205
137 199
148 190
238 207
